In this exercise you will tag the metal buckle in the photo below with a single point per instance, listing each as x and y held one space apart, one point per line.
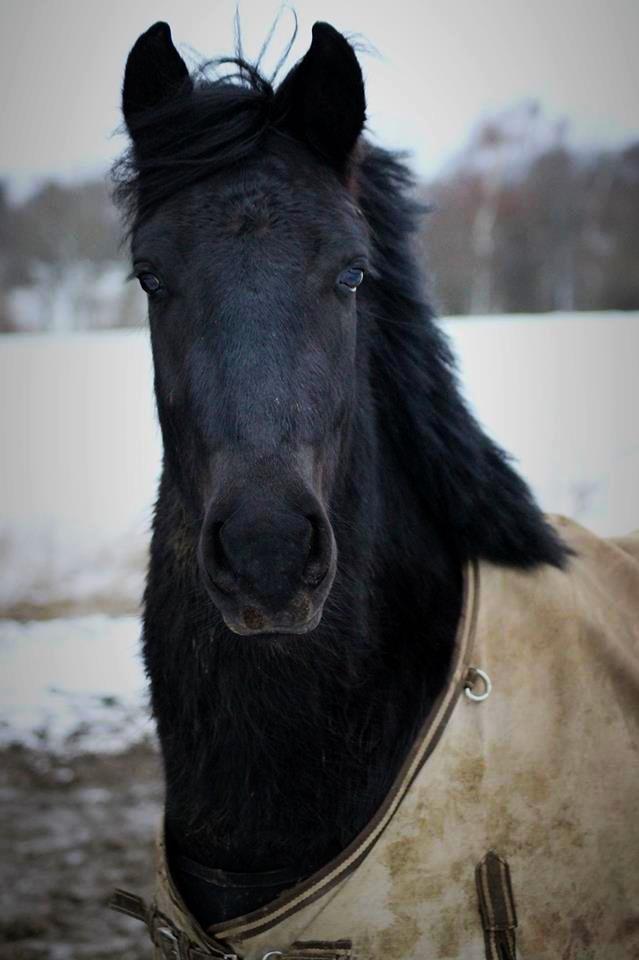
195 952
167 942
310 953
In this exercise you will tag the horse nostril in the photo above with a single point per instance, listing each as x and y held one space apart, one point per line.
319 555
220 570
312 580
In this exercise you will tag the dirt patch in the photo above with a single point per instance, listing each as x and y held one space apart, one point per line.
25 611
71 831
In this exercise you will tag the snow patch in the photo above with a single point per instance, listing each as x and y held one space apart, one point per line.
72 685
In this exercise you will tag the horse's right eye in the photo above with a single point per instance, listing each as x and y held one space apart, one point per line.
351 278
149 282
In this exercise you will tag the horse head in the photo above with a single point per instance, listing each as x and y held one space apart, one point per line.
249 243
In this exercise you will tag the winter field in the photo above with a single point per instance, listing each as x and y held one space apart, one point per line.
80 790
81 450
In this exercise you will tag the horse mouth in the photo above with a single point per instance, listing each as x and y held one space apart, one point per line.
272 628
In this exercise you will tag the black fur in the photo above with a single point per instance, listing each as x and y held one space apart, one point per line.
278 749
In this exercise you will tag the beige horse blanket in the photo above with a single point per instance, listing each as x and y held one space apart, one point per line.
512 830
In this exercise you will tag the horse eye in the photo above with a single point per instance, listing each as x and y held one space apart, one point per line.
149 282
351 278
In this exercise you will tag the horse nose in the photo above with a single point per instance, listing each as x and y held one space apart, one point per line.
267 566
267 555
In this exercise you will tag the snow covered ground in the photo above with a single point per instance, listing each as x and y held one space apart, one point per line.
73 684
81 453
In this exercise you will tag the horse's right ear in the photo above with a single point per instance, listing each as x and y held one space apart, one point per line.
154 72
321 101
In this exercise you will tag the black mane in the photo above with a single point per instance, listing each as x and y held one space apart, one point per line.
482 502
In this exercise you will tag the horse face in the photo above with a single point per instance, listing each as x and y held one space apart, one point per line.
253 281
252 276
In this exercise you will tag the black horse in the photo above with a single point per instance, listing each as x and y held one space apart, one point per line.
323 484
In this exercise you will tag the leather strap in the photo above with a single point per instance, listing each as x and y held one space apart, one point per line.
173 944
226 878
497 907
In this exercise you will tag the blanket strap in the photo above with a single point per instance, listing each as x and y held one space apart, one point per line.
497 907
173 944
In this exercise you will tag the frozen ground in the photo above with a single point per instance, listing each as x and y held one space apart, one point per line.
80 460
74 684
73 829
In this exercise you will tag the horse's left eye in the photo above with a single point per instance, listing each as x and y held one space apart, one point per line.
149 282
351 278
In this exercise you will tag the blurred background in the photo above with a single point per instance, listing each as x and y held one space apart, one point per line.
522 125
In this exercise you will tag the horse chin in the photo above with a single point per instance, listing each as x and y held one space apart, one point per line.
271 629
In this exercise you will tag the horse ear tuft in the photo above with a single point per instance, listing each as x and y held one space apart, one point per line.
154 72
321 101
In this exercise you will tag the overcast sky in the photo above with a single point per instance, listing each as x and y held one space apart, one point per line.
441 65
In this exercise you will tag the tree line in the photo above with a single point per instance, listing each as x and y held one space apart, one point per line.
521 221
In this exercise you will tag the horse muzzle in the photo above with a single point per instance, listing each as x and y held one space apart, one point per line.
268 567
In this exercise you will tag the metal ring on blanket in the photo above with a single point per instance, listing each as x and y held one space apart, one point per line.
474 674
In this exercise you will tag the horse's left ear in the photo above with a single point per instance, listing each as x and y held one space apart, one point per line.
321 101
154 73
